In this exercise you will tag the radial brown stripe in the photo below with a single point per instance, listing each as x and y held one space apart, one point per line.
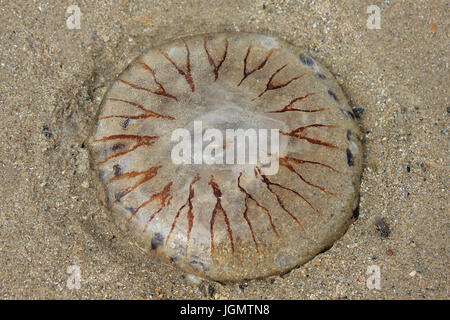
213 64
140 141
161 90
271 86
247 219
311 140
219 208
291 190
248 197
301 161
163 197
147 113
190 214
269 184
290 106
144 177
160 93
151 218
284 162
315 125
186 74
259 67
296 133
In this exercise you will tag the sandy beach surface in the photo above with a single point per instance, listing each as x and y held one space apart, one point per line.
52 80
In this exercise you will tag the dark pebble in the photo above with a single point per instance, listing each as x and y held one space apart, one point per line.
358 112
308 61
243 286
382 227
157 240
117 169
333 95
350 160
125 123
211 291
46 131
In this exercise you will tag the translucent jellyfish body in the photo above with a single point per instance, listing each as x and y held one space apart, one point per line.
219 219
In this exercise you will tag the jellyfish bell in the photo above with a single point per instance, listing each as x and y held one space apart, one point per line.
240 157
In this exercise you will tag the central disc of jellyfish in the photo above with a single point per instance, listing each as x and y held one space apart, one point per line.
233 155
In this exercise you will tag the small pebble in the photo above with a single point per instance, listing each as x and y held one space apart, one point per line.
46 131
243 286
212 291
358 112
382 227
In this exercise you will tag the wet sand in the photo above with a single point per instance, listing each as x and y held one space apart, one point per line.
52 81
